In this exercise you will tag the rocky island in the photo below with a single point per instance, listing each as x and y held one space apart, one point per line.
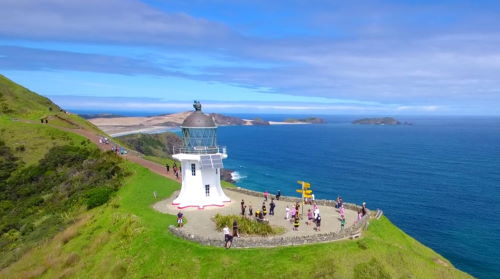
309 120
380 121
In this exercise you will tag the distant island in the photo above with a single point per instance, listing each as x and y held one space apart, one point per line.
309 120
380 121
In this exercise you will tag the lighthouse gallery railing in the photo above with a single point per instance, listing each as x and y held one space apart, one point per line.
200 150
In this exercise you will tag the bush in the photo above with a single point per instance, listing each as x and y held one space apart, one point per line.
98 196
246 226
371 269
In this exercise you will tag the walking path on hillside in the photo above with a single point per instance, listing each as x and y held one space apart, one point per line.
132 155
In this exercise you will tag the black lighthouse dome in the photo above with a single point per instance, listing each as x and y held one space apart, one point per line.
198 119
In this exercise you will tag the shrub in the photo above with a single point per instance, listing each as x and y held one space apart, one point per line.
371 269
98 196
246 226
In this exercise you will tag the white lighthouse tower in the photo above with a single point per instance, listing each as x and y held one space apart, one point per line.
201 161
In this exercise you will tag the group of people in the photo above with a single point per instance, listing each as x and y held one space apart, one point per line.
175 169
260 213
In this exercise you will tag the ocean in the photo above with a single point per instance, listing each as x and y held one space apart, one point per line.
438 180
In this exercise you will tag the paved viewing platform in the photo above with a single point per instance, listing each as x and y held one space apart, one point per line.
201 228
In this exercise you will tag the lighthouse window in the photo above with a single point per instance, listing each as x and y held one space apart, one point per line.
207 190
193 169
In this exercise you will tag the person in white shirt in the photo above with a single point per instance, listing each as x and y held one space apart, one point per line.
228 238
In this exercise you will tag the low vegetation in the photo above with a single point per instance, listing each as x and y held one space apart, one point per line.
246 226
38 200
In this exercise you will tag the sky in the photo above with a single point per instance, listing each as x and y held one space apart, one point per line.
306 57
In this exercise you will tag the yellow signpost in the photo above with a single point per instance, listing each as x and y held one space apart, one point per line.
306 193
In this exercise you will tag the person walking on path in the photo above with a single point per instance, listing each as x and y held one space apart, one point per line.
318 223
180 219
272 205
250 210
342 224
228 238
363 209
264 209
242 206
287 213
266 194
342 211
278 195
296 224
310 217
316 213
167 167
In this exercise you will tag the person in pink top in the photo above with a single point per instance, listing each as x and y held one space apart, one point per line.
342 211
293 211
266 194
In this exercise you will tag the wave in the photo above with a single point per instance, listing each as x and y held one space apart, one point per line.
236 176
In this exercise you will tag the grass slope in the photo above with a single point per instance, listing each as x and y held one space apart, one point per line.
17 102
128 239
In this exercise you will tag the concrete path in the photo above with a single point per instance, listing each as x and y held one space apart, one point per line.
199 222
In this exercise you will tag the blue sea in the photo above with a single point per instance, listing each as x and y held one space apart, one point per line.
438 180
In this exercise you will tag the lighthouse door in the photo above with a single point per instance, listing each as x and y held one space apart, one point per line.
207 190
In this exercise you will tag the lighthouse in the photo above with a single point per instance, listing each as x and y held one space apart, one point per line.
201 162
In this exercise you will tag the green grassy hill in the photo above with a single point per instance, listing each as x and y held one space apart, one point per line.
53 229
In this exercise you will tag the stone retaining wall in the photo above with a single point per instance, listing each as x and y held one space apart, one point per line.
274 241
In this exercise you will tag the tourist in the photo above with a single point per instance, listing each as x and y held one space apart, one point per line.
266 194
342 211
310 217
318 223
261 216
180 220
296 224
316 212
264 209
243 210
235 229
278 195
228 238
360 215
312 198
287 213
257 213
167 167
342 224
363 208
272 205
250 210
293 211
